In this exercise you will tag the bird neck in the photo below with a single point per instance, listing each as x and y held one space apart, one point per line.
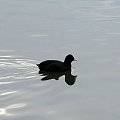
66 62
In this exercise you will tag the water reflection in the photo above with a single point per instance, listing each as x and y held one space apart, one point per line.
69 78
5 111
2 111
7 93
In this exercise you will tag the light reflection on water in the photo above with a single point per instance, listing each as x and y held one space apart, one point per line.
7 93
6 111
13 70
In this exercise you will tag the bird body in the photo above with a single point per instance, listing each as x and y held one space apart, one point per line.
56 65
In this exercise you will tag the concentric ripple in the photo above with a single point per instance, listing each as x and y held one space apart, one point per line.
17 68
15 73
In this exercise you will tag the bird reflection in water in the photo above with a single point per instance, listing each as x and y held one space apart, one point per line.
69 78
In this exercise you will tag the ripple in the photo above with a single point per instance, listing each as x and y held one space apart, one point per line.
5 56
7 93
39 35
6 111
4 83
18 105
16 74
17 68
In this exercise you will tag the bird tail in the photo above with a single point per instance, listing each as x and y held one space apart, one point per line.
37 65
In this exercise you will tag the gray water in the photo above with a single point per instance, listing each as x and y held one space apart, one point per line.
35 30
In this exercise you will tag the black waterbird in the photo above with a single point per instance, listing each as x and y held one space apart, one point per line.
56 65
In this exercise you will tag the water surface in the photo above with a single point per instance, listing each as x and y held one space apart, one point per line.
32 31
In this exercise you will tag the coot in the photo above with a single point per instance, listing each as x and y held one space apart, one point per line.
56 65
